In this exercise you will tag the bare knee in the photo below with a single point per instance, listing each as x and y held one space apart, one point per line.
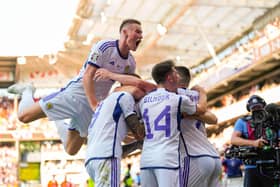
30 114
72 148
24 118
74 143
71 151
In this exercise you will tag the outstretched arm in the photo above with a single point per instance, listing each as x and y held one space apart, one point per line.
125 79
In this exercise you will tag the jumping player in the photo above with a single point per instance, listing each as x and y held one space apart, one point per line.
78 99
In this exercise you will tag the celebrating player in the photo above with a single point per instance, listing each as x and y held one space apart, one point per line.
79 98
200 160
161 112
107 130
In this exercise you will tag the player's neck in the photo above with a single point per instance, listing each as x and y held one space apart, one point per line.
168 87
124 50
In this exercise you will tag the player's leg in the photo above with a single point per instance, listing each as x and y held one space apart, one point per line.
62 130
167 177
105 172
31 113
73 142
185 168
214 179
28 110
200 171
74 134
90 168
70 138
148 178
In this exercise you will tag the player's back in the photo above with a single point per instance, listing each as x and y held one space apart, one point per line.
108 127
160 111
194 132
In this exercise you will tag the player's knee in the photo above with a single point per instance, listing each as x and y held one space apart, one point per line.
71 148
24 118
71 151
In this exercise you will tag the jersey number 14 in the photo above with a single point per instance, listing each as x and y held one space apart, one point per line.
161 122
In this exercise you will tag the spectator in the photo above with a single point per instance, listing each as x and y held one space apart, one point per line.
137 179
233 169
128 181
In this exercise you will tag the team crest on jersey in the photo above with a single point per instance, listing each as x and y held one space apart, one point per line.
49 106
126 69
94 56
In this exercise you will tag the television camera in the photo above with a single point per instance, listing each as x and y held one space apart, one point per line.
266 124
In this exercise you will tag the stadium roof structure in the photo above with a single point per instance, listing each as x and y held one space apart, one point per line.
56 36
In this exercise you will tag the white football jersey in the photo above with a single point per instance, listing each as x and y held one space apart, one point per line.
161 113
108 128
71 101
194 132
106 54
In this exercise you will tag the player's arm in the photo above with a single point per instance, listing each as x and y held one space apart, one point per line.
136 127
133 90
201 106
129 148
125 79
207 117
88 83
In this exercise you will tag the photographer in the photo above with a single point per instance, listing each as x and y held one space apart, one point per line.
245 135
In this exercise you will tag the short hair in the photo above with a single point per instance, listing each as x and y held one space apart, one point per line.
128 22
185 75
161 70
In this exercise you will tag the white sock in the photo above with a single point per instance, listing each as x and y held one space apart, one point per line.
26 100
62 130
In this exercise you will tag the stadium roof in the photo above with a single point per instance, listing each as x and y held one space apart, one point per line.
57 35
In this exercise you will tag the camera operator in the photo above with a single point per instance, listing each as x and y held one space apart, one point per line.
244 135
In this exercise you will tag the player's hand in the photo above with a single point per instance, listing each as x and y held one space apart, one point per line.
102 74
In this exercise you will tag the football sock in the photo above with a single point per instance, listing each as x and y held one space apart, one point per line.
26 100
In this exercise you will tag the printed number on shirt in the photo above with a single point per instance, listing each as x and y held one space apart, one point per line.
162 122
